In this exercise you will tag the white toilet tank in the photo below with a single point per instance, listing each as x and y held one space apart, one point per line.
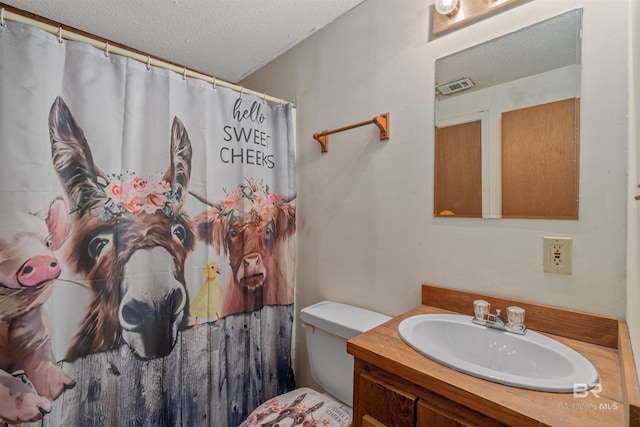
329 326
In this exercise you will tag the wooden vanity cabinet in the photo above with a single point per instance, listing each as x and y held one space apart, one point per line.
394 385
384 400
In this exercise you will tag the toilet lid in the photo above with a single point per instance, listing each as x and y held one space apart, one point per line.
296 407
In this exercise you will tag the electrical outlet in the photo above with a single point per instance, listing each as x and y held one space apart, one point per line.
557 255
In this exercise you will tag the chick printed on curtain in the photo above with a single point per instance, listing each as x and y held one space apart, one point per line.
146 241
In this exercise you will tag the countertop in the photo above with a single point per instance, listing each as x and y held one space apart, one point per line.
382 347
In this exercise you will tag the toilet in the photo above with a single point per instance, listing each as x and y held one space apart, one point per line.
328 325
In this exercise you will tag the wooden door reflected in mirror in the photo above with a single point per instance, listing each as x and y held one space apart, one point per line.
540 161
458 176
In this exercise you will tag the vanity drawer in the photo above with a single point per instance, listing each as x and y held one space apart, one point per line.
438 411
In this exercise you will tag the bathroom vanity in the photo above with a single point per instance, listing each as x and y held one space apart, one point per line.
394 385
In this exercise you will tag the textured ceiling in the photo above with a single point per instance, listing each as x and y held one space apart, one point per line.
227 39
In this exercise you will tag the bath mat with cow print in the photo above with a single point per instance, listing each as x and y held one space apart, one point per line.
302 406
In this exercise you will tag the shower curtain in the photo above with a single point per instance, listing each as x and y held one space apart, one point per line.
146 241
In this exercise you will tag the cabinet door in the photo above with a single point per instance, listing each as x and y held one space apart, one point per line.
446 413
383 405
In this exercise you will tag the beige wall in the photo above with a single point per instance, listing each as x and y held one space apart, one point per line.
366 232
633 251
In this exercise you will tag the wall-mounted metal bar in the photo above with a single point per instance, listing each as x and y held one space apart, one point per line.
382 121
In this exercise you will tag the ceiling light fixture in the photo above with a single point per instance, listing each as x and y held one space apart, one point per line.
447 7
453 14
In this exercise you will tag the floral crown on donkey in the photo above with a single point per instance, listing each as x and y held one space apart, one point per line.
131 193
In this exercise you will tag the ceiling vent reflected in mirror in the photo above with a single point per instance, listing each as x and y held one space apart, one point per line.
455 86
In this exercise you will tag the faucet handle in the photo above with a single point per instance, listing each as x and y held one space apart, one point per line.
498 312
515 317
481 309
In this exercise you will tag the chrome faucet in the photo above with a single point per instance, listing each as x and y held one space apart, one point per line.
496 321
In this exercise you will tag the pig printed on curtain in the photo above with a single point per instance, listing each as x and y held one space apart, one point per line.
147 232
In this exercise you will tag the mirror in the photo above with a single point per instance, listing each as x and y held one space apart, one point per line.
507 124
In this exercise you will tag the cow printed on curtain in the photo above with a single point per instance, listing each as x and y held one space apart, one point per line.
248 226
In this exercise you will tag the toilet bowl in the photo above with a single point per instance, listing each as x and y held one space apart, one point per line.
328 325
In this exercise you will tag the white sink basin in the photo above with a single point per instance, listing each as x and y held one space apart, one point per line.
532 361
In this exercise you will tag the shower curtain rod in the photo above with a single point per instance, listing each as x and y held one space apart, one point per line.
115 48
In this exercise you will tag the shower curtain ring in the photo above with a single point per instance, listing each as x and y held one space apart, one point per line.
264 98
184 74
214 83
241 91
148 62
60 35
2 24
106 49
